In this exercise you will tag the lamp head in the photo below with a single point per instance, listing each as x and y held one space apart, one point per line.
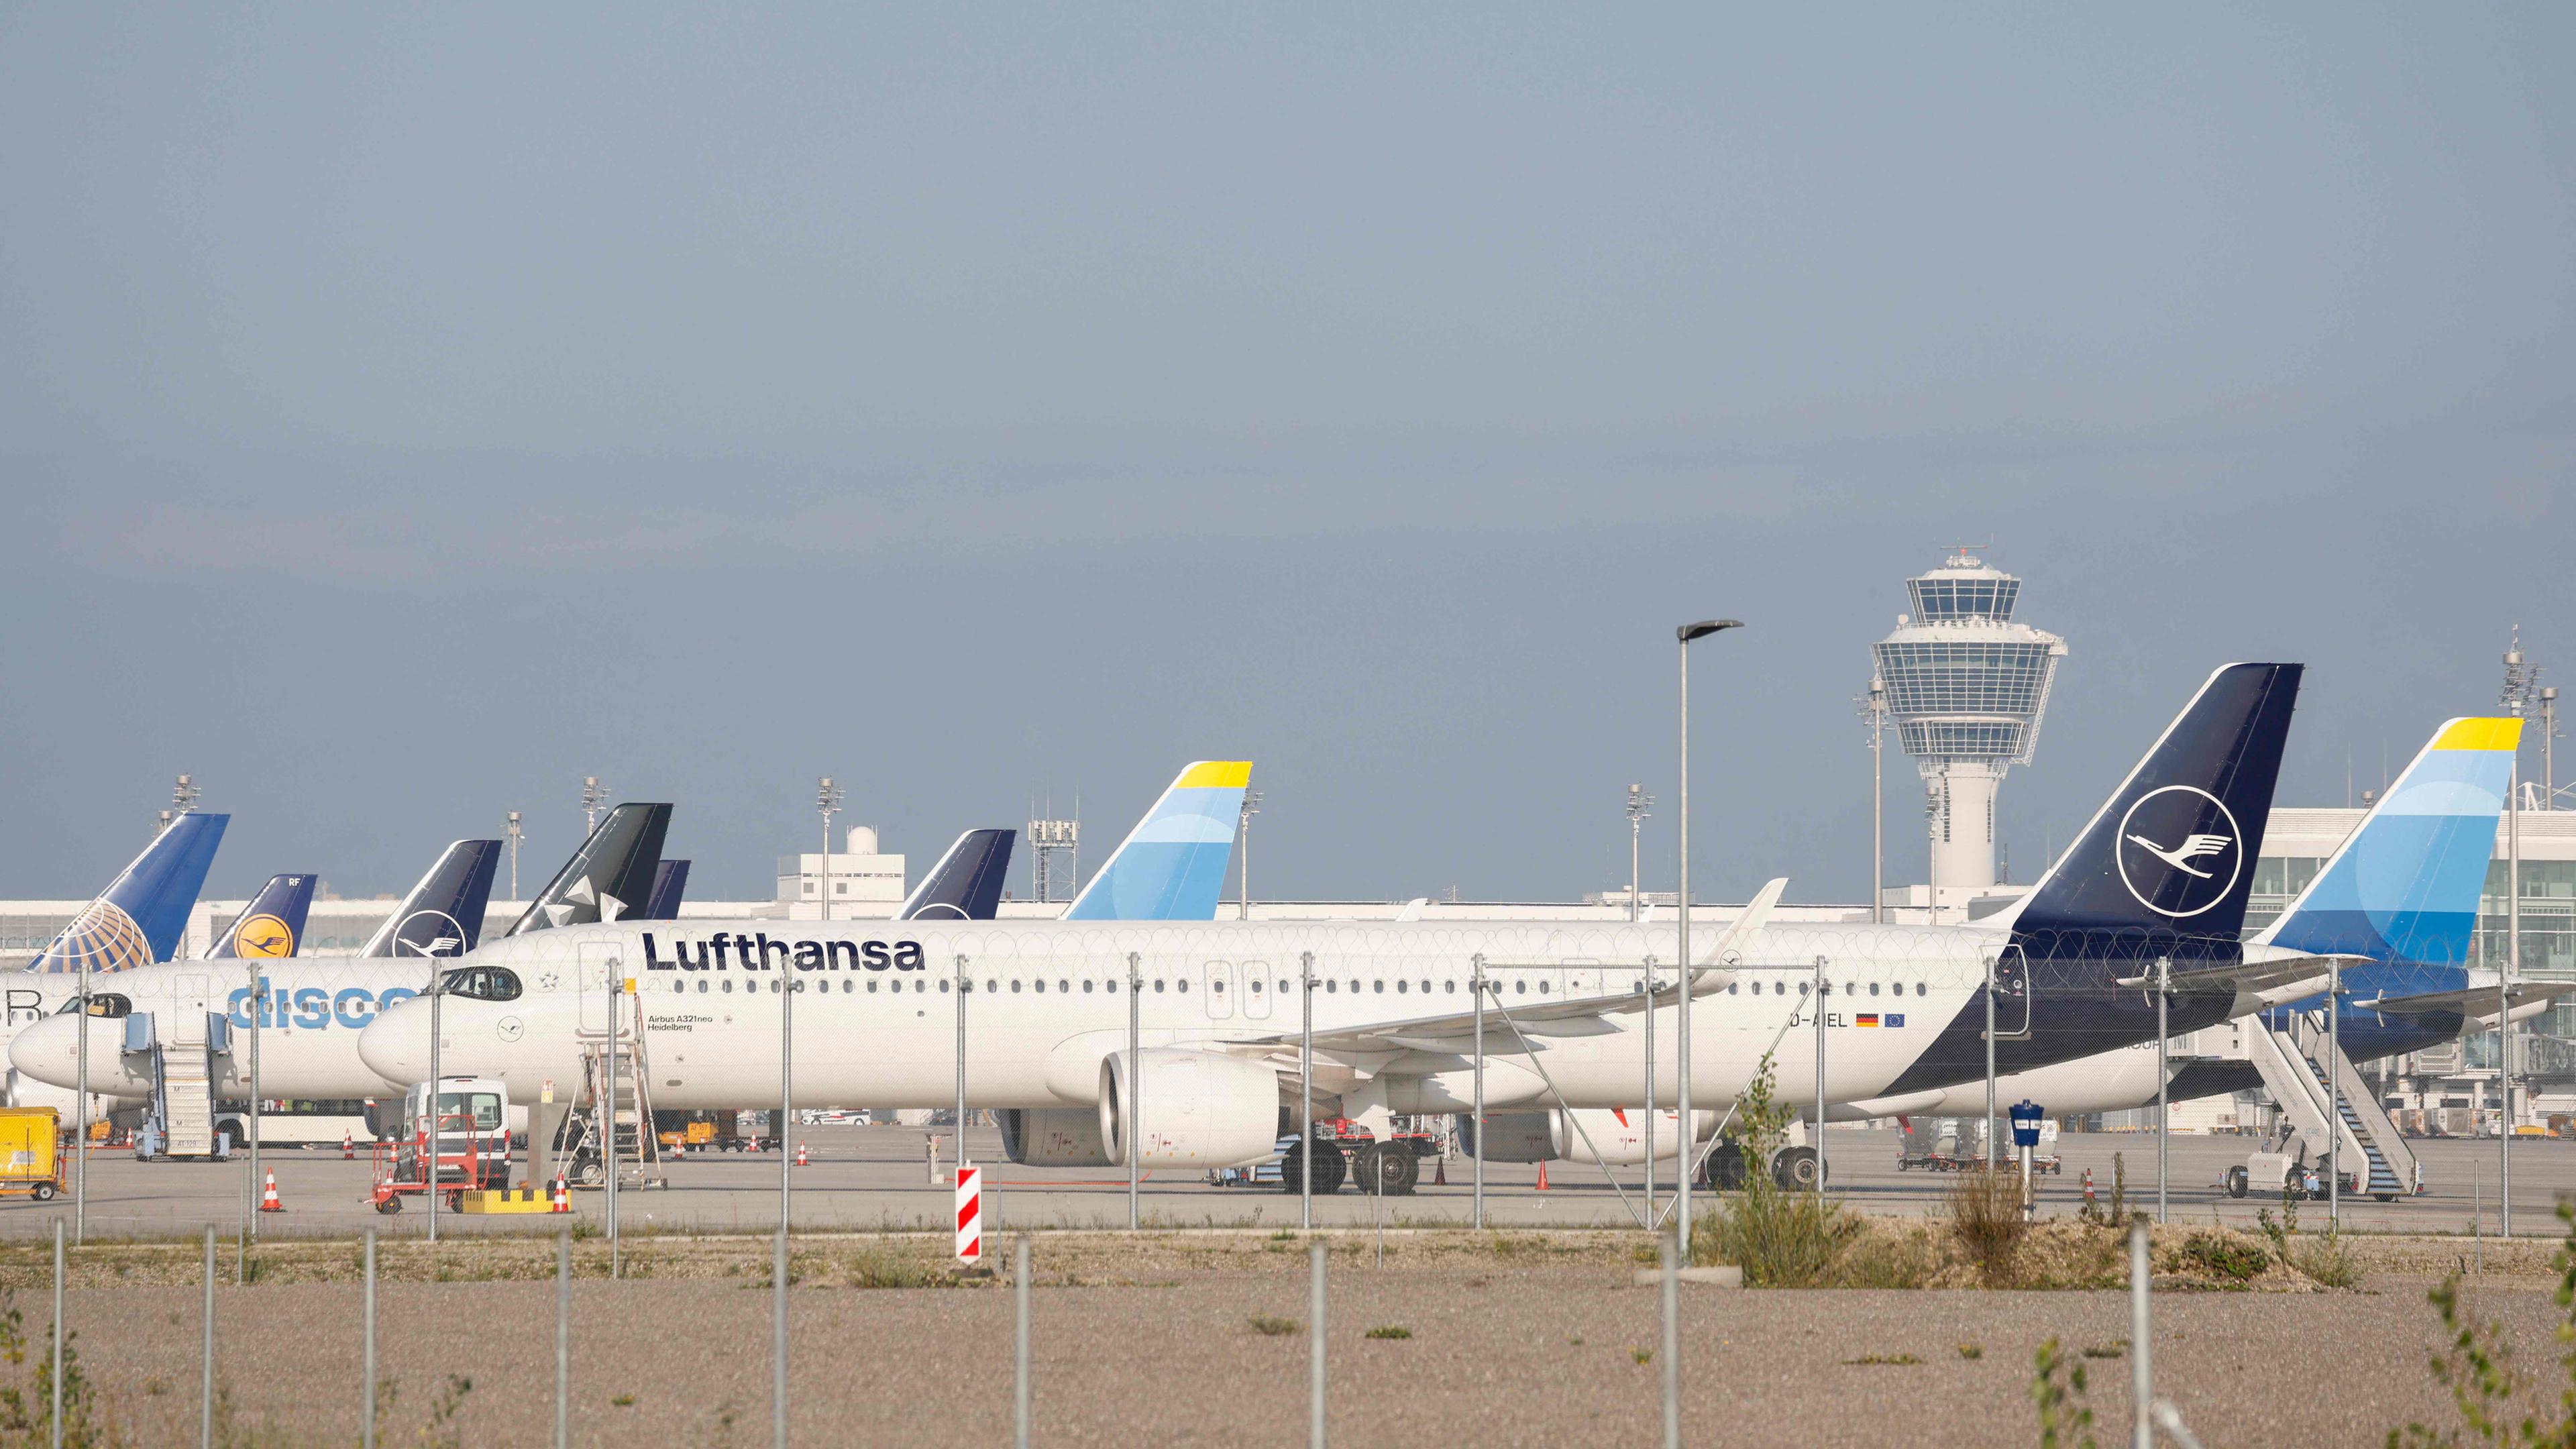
1705 627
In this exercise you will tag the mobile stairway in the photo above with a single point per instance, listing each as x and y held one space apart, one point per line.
180 1120
622 1112
2320 1091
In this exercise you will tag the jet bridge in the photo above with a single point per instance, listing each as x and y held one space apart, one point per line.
182 1066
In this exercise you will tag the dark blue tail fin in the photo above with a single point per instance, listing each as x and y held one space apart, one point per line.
443 915
140 917
670 883
2165 867
272 924
966 885
609 879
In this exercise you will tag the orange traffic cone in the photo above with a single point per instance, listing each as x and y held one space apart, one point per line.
801 1159
268 1202
348 1148
1542 1177
1440 1172
562 1195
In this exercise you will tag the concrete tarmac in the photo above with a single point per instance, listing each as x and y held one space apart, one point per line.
875 1178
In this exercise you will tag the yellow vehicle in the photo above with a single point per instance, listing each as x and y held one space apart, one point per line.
31 1156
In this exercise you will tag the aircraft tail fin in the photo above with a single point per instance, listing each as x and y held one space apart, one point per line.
966 885
670 884
2404 886
2165 866
610 878
272 924
1171 867
140 917
443 915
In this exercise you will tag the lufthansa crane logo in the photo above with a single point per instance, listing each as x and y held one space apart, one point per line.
2179 851
263 935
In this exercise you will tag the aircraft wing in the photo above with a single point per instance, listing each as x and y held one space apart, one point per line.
2469 1000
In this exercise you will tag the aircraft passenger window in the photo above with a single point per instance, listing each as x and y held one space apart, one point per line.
1873 988
1381 988
1521 987
1219 987
728 986
1332 986
1400 986
1921 989
1449 986
1109 986
1015 986
1255 983
702 985
1086 986
1355 988
1158 985
1426 988
992 985
1542 988
919 987
1730 988
1802 988
1182 986
1063 985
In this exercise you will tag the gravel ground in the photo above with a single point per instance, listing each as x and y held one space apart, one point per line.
1528 1340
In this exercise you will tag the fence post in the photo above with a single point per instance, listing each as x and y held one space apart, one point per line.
563 1339
206 1375
367 1399
1672 1334
778 1328
1020 1392
2142 1372
1315 1348
58 1327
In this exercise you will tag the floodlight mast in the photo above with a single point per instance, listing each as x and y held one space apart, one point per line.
1685 634
593 795
517 833
1243 855
827 799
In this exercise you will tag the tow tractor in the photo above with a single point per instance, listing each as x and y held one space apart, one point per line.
466 1150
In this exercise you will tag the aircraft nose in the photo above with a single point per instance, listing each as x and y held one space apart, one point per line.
395 1046
46 1049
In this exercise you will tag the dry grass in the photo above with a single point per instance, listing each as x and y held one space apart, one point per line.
1984 1210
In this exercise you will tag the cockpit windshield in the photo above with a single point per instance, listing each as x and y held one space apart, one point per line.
481 983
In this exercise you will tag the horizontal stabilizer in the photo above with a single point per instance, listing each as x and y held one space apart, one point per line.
2477 1001
272 924
966 885
140 917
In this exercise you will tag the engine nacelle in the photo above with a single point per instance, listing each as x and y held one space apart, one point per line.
1054 1137
1199 1109
1617 1137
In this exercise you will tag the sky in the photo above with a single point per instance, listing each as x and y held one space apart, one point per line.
408 411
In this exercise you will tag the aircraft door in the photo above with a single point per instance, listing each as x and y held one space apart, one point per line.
1259 985
2013 991
1220 989
593 974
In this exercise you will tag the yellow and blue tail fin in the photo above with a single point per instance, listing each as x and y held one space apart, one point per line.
2404 886
272 925
139 918
1171 867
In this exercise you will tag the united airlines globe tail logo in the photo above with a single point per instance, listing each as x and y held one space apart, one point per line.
104 937
263 935
2179 851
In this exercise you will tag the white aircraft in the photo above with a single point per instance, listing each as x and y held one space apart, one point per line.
1219 1005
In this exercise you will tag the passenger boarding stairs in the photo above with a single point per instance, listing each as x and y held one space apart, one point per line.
2295 1066
181 1119
627 1110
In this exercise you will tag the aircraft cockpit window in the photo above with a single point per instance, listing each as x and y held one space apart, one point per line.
481 983
106 1004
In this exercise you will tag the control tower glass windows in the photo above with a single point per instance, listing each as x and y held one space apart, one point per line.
1940 600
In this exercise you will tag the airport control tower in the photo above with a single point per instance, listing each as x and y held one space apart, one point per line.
1966 687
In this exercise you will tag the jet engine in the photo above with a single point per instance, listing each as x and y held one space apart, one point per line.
1618 1137
1195 1109
1054 1137
1517 1137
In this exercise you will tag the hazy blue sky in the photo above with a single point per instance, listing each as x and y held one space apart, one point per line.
404 413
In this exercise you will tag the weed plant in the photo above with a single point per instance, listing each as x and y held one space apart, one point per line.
1985 1216
1781 1238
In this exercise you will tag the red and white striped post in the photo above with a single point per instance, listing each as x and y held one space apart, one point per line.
970 1215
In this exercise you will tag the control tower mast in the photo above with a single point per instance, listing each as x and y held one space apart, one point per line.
1966 687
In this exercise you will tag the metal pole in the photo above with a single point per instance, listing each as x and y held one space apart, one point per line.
1672 1344
2504 993
1135 1030
1020 1344
206 1366
786 1093
1990 1056
1315 1342
1877 803
1306 1097
608 1118
58 1318
258 1009
2164 1138
1822 987
1682 906
367 1385
563 1339
2334 1094
80 1139
431 1162
1479 981
1682 1160
778 1336
2142 1370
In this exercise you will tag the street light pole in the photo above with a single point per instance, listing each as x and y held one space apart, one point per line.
1875 709
1685 634
1243 855
516 834
827 798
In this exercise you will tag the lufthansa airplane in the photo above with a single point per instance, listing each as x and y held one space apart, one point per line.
1218 1007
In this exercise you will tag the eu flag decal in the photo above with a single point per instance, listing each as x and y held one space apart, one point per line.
1896 1018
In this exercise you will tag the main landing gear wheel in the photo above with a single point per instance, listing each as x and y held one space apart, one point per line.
2236 1182
1796 1169
1725 1171
1329 1168
1386 1168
